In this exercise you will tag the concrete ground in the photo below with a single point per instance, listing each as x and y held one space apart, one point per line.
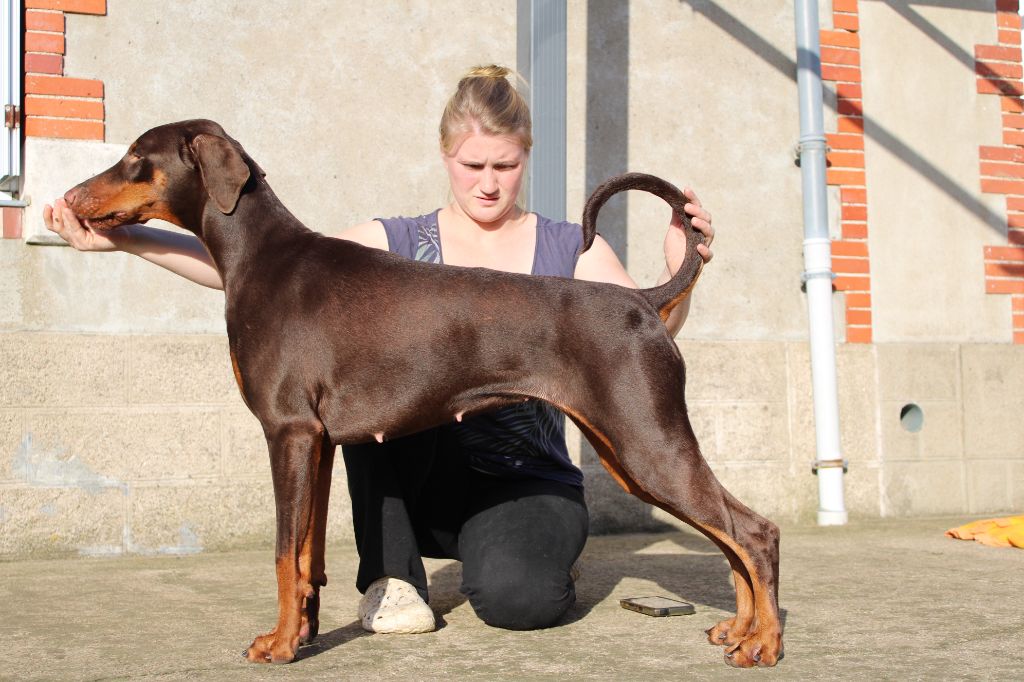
873 600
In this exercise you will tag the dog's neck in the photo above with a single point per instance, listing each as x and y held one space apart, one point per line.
235 240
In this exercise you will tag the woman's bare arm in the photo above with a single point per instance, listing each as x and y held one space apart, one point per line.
182 254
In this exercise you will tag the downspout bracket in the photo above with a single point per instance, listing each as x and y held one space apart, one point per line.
817 274
844 464
813 274
798 149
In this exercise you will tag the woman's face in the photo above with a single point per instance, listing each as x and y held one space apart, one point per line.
486 173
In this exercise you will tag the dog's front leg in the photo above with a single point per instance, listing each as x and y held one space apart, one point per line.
295 453
312 566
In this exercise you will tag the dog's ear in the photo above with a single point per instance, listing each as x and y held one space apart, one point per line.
223 169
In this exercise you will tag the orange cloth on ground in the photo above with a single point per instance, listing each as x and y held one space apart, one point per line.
1004 532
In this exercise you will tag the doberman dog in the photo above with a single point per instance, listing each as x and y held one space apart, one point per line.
336 343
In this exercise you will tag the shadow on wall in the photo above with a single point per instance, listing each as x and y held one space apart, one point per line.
607 133
607 154
782 62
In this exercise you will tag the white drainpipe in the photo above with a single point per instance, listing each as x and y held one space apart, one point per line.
817 274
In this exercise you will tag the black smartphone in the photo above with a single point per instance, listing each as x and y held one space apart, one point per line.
658 606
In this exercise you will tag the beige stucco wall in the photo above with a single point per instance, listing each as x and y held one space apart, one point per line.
120 427
333 127
676 89
927 218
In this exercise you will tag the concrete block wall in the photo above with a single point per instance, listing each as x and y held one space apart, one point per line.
968 457
130 443
751 408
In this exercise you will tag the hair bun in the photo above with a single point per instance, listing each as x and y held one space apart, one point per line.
488 71
487 101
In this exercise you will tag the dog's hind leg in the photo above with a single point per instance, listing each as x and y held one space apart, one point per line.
312 567
665 468
728 632
688 489
295 457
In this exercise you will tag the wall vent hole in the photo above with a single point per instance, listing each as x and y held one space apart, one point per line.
911 417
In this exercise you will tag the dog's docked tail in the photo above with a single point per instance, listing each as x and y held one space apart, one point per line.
667 296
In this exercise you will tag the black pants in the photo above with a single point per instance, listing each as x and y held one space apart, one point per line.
516 538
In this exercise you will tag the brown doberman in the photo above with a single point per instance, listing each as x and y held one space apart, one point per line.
335 343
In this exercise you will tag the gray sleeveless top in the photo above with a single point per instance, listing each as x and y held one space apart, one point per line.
524 440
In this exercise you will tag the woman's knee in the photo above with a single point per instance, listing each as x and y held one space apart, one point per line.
525 602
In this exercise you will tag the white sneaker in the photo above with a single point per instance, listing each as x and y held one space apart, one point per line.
393 606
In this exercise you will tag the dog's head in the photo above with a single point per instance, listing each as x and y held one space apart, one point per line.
171 172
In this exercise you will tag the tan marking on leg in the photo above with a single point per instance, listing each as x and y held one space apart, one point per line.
238 379
289 600
280 644
607 456
767 627
238 374
732 630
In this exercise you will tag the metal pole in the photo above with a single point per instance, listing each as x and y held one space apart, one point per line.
817 274
10 93
541 61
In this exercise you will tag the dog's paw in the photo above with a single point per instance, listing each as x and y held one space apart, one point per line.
726 633
270 648
762 649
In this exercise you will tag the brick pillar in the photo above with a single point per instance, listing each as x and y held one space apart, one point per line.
55 105
1002 167
840 64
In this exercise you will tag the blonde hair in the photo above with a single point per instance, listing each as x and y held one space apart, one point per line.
486 100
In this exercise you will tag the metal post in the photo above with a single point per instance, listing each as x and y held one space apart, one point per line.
10 93
541 62
818 275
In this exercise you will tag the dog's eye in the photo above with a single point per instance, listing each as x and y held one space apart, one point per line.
138 169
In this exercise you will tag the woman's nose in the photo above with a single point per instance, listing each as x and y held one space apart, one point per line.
488 181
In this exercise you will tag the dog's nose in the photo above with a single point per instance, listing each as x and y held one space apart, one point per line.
70 196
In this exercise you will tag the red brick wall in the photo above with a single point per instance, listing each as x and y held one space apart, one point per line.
840 64
56 105
1002 167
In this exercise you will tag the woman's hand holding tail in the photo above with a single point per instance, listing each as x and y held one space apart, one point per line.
675 238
